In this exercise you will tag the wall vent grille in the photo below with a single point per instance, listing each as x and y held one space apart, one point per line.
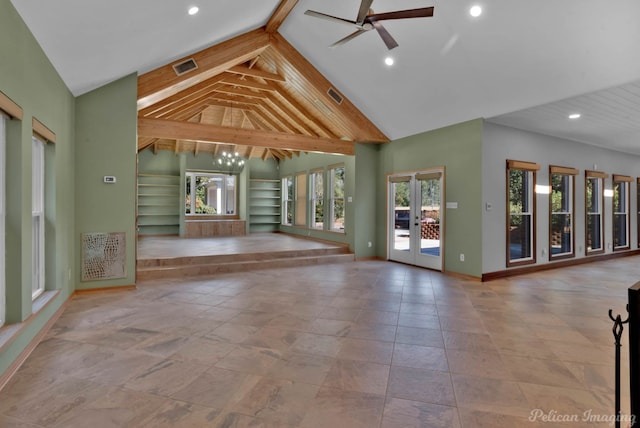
185 66
335 95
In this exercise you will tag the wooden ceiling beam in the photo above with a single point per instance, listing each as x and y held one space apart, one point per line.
365 130
186 95
143 143
302 111
292 116
227 89
282 11
254 72
234 80
163 82
282 120
171 129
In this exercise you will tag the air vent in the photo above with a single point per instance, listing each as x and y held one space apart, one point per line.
335 95
185 67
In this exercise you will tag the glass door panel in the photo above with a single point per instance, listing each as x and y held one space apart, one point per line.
415 220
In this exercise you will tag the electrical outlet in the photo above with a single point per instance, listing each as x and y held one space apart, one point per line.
369 244
461 257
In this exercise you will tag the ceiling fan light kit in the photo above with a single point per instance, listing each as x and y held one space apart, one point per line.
368 20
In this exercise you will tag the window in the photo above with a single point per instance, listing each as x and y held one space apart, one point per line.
37 216
317 199
561 201
594 202
287 201
210 194
521 210
3 136
301 200
621 185
336 204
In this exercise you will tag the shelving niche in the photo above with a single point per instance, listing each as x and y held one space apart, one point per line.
158 204
264 205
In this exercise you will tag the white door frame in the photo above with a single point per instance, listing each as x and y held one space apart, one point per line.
405 243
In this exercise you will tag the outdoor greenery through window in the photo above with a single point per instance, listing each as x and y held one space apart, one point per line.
561 201
317 199
621 212
336 205
287 201
594 201
210 194
521 178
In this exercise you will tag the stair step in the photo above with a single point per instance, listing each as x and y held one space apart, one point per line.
200 269
232 258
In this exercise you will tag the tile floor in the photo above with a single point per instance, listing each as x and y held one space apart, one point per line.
364 344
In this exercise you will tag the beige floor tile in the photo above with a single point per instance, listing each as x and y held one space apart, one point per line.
420 357
217 388
366 350
419 336
513 345
178 414
279 401
250 359
481 364
358 376
400 413
165 377
317 344
491 395
303 368
421 385
344 409
203 351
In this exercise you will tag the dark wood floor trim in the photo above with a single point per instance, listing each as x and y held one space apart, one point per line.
554 265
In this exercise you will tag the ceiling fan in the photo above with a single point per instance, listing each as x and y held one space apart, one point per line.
368 20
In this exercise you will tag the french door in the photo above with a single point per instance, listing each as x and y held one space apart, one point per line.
416 218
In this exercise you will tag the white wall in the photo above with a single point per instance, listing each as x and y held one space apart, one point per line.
500 143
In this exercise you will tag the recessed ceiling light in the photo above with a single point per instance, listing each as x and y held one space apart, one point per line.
575 116
389 61
193 10
475 11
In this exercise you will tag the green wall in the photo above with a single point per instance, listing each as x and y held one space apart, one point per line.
365 200
459 149
106 129
29 79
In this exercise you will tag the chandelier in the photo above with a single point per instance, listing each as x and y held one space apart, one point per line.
230 163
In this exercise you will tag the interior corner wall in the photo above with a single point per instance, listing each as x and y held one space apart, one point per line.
459 149
106 137
365 200
310 161
31 81
501 143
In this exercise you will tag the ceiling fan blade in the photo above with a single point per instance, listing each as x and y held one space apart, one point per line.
331 18
364 10
349 37
424 12
386 37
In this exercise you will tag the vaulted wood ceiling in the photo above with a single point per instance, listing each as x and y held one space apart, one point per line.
254 94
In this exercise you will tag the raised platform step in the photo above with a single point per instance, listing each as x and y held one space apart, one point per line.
209 265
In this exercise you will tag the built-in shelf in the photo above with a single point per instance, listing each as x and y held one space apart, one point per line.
264 205
158 204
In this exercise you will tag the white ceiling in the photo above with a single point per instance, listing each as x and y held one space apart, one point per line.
520 64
